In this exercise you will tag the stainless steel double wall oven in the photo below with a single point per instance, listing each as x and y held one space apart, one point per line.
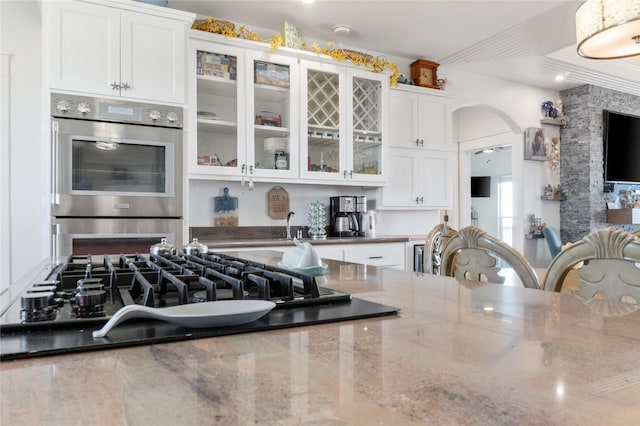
117 176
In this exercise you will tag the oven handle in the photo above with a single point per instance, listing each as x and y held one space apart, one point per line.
55 240
55 141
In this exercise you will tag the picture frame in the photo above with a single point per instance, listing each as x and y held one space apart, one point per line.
535 146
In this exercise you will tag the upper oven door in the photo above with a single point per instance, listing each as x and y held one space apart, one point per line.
116 170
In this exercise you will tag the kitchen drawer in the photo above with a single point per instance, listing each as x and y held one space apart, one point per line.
385 254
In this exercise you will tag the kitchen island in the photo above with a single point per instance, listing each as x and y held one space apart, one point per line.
490 355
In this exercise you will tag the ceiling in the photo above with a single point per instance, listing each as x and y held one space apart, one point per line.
530 42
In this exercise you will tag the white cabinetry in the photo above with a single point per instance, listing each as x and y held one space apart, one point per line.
245 112
420 157
343 124
107 49
390 255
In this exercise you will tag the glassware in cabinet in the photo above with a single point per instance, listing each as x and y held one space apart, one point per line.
367 119
323 121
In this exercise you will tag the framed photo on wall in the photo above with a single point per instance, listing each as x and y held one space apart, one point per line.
535 147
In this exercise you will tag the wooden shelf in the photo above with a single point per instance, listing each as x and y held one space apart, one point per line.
623 216
554 121
553 198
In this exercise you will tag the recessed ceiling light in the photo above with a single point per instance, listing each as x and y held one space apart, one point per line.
308 1
559 77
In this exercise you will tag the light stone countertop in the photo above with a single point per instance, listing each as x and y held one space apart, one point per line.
494 355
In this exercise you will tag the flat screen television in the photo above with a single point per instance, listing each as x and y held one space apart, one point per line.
481 186
621 137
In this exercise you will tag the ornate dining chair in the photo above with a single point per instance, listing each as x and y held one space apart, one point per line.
434 246
470 257
609 279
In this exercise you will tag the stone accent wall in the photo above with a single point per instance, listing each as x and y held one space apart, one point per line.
581 158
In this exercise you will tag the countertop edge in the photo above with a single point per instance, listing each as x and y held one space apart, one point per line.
219 244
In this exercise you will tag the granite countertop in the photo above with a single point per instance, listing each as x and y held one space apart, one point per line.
282 242
273 236
494 354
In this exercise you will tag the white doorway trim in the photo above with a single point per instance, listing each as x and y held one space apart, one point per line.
465 150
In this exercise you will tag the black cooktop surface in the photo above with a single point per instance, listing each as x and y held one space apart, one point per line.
51 341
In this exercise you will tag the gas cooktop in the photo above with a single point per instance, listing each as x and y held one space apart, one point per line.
58 313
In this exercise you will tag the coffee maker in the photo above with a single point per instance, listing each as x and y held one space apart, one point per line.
344 220
347 215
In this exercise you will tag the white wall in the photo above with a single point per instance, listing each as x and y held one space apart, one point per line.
26 165
514 107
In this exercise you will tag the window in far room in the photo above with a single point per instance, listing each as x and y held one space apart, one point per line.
505 209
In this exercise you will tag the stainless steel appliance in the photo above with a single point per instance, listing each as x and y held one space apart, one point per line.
59 310
116 173
361 210
344 216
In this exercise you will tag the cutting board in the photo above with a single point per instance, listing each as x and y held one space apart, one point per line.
225 210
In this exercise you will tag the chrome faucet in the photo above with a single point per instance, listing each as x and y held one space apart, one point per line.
289 225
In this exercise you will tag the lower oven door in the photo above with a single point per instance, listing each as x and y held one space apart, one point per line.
112 236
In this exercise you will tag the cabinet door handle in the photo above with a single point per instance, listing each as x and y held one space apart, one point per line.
421 142
351 174
421 200
251 170
243 168
417 142
417 200
115 86
344 174
126 86
375 257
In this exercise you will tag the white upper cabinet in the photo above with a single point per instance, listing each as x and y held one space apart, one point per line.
421 153
103 50
245 111
343 124
418 119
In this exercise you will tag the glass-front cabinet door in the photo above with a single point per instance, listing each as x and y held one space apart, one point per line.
323 121
220 120
367 93
343 121
272 109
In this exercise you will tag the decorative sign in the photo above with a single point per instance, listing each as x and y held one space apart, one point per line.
291 35
278 202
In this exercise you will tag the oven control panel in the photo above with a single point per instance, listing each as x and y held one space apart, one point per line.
115 110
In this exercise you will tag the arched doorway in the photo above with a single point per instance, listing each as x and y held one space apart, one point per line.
477 128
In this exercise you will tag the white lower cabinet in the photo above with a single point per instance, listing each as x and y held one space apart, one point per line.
388 255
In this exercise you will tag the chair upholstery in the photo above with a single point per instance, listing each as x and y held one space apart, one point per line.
552 238
610 278
434 246
469 257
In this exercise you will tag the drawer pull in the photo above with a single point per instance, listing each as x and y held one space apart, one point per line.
375 257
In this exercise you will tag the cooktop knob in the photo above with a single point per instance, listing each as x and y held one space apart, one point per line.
172 116
154 114
63 105
84 108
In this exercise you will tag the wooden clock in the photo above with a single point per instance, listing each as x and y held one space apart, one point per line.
424 73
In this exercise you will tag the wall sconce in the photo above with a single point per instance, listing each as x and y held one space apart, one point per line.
608 29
